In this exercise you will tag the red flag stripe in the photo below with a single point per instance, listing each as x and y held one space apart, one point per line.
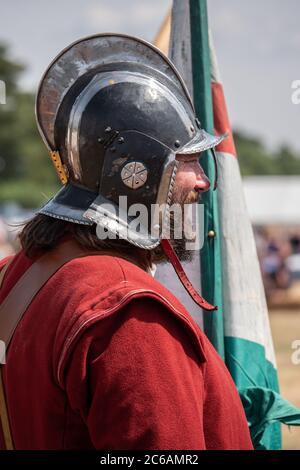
221 119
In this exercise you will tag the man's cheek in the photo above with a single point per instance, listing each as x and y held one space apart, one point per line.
186 180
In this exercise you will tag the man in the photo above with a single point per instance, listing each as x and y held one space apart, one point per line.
101 355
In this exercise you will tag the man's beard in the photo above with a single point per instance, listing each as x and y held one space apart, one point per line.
185 199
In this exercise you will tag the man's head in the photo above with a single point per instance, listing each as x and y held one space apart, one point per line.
120 124
121 129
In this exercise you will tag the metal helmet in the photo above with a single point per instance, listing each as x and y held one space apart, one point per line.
114 114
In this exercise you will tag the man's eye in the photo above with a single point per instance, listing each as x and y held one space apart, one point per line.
189 159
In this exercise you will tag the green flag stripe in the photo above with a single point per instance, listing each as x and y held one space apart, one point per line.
251 370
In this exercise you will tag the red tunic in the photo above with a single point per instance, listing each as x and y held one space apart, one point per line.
105 357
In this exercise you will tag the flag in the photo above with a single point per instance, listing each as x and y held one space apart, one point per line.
229 274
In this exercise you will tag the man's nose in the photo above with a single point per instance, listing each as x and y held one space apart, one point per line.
202 182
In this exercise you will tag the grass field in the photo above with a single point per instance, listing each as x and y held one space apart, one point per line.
285 326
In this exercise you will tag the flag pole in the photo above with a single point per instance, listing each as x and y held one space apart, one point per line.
211 269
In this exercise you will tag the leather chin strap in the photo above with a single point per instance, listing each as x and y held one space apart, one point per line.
173 258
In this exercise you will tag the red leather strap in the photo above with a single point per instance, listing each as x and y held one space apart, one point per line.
173 258
216 168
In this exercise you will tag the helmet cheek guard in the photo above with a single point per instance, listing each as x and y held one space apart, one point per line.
114 114
140 172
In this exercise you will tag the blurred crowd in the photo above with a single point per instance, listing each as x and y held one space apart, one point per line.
279 256
9 229
12 218
8 243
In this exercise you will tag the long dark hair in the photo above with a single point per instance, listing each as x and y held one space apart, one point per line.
43 233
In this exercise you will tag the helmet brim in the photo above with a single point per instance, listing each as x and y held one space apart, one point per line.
201 142
69 204
80 206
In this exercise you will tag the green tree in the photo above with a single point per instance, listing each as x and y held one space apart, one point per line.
9 74
287 162
26 172
255 159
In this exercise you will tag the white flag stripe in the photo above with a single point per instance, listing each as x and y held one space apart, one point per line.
244 304
214 68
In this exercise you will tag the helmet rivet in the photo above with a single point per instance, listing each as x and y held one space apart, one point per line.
211 234
100 140
121 140
177 143
192 129
107 130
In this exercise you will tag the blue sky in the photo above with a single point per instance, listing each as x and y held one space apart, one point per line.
257 43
